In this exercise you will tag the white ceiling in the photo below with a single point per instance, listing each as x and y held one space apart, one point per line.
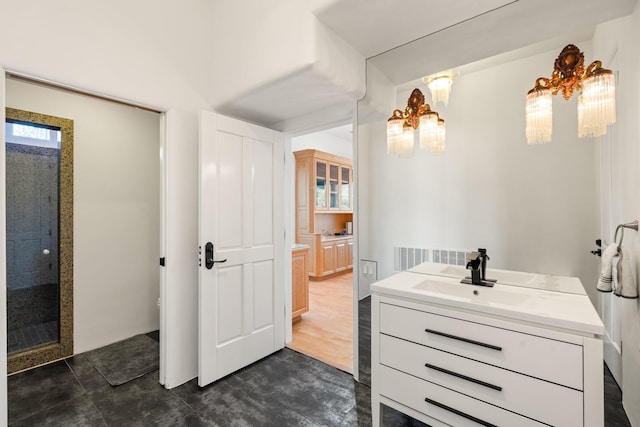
376 26
458 32
408 39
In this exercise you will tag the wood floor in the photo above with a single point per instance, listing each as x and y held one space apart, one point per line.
325 332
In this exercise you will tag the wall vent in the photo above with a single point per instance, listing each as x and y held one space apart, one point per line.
445 256
406 258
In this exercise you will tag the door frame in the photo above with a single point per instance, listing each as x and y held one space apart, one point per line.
64 347
168 180
290 228
3 262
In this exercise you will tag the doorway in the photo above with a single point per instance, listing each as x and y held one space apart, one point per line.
322 256
113 219
39 176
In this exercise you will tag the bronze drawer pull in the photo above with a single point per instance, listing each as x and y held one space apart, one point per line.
459 413
464 377
467 340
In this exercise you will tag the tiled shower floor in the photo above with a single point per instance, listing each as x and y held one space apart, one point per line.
32 336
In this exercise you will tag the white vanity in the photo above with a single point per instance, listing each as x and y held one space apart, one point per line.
526 352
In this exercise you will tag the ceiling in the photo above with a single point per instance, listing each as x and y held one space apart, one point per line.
376 26
408 39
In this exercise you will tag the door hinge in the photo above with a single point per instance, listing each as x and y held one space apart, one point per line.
162 262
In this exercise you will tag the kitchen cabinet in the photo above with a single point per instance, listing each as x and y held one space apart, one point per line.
336 255
324 203
323 186
299 281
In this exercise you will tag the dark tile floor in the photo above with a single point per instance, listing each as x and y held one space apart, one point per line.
284 389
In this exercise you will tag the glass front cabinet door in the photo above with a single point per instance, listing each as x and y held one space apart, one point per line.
321 185
333 186
345 188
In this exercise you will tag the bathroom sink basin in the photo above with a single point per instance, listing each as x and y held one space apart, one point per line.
507 277
498 297
526 303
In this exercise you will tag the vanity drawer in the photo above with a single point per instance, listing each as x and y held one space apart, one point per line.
551 360
446 405
550 403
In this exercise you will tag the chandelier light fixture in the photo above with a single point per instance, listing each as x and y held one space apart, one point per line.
596 101
417 114
439 85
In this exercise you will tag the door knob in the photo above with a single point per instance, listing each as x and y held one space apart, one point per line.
208 256
46 252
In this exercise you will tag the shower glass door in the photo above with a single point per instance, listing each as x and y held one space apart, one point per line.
33 174
39 210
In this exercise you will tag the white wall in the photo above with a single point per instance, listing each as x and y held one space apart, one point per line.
323 141
116 212
154 52
534 208
622 35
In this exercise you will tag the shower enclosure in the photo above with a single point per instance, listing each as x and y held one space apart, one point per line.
39 153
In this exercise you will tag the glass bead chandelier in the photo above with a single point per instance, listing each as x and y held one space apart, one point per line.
596 102
417 114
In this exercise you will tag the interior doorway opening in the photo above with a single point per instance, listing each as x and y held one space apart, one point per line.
322 253
107 210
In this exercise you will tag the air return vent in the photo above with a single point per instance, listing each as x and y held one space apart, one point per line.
445 256
405 258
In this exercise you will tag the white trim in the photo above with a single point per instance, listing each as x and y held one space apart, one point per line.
80 91
289 233
3 266
356 247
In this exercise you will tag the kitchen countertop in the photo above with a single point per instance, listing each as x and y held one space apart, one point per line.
329 238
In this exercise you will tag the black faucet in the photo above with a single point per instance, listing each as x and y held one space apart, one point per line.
477 263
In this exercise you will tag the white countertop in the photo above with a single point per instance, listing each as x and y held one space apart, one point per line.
507 277
570 311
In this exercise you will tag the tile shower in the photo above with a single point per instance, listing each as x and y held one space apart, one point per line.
32 246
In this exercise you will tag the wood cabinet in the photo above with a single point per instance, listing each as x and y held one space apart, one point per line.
336 255
324 184
299 281
328 256
324 203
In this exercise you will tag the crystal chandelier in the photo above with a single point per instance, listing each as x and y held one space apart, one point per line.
417 114
596 102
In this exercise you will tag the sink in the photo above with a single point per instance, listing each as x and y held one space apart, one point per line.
496 297
547 282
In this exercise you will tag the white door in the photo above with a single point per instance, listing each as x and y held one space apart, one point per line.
241 238
179 248
611 182
3 264
609 305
